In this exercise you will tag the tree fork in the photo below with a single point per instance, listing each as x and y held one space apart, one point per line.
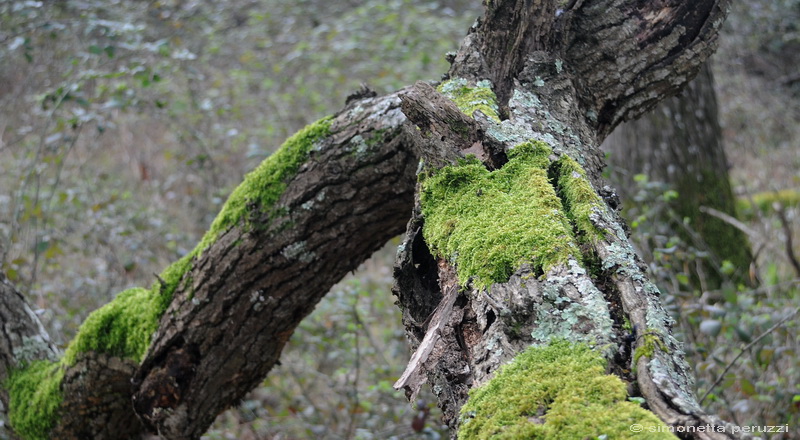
473 326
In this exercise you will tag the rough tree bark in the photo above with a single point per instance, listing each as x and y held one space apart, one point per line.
564 75
680 143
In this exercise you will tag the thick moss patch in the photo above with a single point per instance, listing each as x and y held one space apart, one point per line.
35 399
470 99
121 328
580 198
490 223
558 391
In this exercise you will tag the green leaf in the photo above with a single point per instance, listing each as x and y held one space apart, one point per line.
42 246
639 400
747 387
727 268
743 334
711 327
670 195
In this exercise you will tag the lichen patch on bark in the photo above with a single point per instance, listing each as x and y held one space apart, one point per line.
471 99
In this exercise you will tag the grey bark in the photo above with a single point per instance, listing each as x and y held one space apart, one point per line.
23 336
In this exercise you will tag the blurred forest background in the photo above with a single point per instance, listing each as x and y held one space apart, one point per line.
125 125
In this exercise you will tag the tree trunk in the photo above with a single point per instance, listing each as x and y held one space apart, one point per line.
509 249
680 143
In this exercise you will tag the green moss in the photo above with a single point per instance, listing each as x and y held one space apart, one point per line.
264 185
652 341
558 391
579 198
470 99
120 328
170 278
376 137
489 223
34 399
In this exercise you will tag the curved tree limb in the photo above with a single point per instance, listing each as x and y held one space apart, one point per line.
238 302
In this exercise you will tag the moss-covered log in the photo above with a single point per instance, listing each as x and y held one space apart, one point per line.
510 248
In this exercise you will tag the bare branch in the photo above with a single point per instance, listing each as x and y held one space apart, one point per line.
744 349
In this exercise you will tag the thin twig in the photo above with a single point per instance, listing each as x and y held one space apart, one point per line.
742 227
746 347
733 221
351 426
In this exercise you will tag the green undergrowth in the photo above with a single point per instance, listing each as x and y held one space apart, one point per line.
35 397
559 391
470 99
490 222
124 327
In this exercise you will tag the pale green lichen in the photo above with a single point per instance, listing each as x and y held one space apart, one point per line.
555 392
580 199
32 348
124 327
471 99
583 319
463 206
34 399
298 251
